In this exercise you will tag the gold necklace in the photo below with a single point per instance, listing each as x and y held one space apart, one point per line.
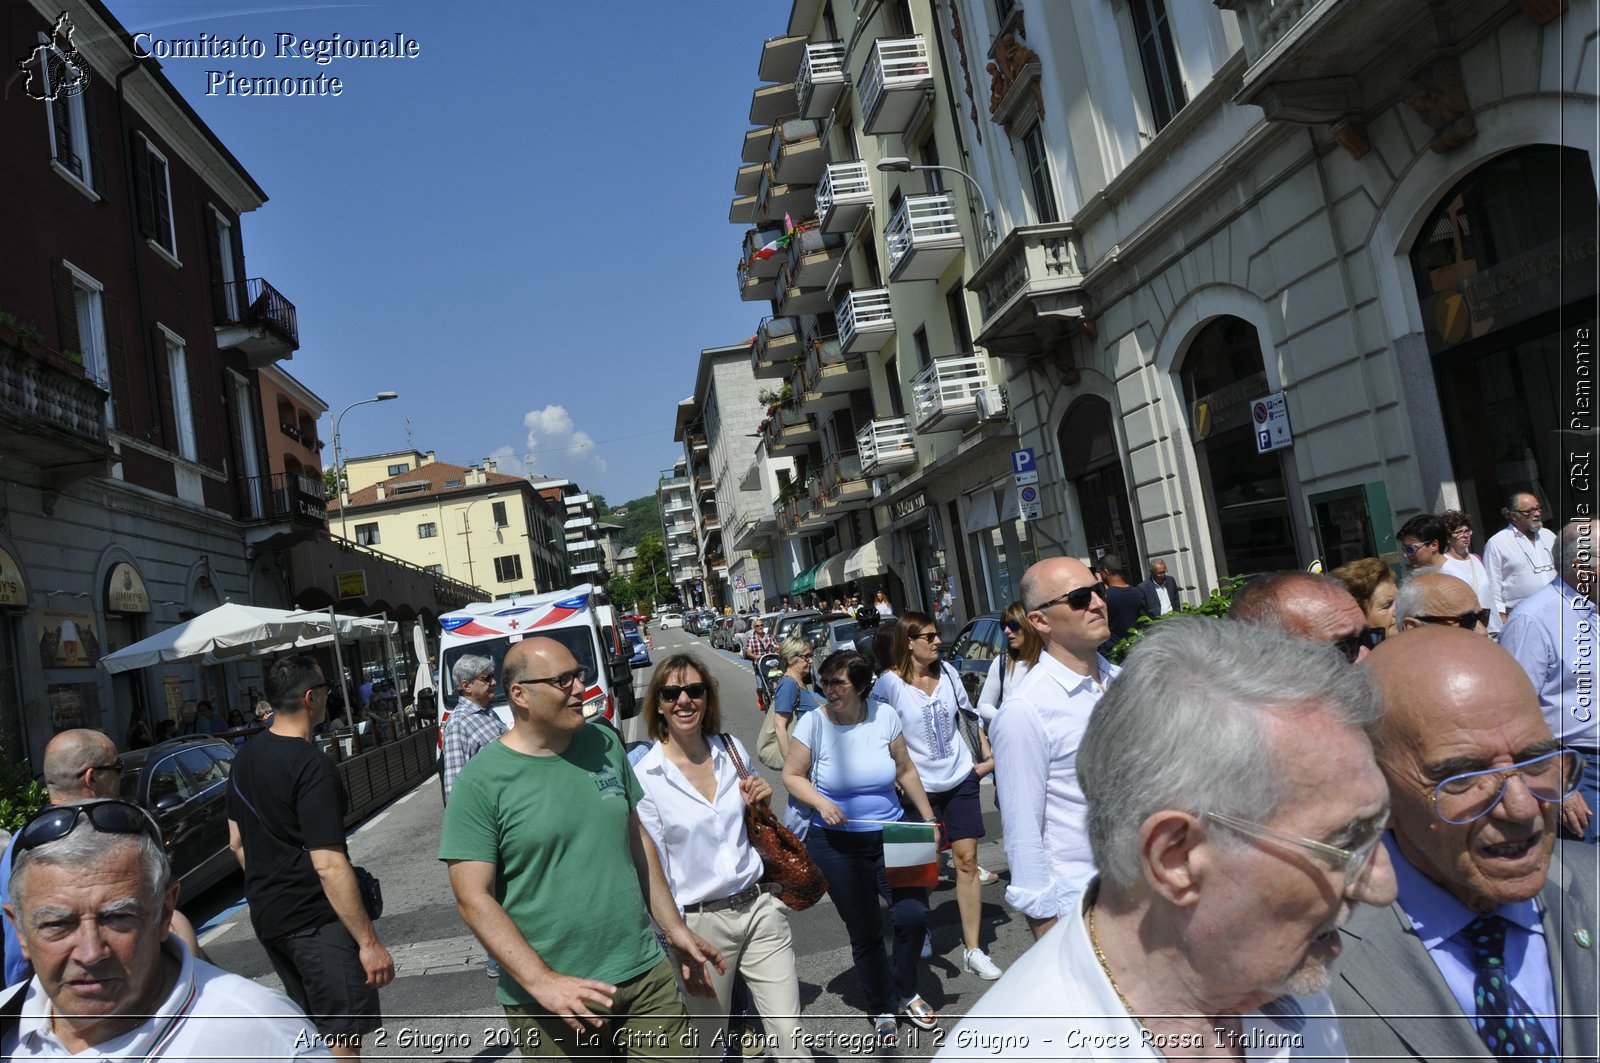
1094 943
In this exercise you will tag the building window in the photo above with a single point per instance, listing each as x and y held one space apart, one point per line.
433 570
1152 33
153 181
452 483
955 304
1037 161
429 530
396 470
68 115
367 534
500 520
508 569
919 339
89 312
222 275
182 398
1003 9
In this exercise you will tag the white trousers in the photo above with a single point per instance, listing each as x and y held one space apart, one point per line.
754 942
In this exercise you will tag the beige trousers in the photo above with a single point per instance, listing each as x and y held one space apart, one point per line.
755 942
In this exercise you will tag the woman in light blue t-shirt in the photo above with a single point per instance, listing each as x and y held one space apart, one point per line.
844 762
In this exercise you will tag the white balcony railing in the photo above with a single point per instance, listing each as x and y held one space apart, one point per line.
945 394
923 237
885 444
843 196
821 78
865 320
892 83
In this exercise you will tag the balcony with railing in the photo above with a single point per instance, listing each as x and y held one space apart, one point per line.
821 78
704 485
771 104
789 431
844 485
780 57
254 317
866 321
776 199
699 444
844 195
894 83
829 371
794 152
813 514
1031 284
814 257
923 237
886 443
52 414
795 299
777 341
945 394
282 498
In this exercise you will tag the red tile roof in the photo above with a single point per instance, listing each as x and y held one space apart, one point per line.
433 474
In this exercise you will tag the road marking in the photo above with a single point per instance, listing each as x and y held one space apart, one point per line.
216 931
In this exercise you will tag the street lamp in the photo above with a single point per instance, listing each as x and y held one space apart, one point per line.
899 164
466 529
338 461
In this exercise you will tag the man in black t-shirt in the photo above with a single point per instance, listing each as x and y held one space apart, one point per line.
1124 604
286 827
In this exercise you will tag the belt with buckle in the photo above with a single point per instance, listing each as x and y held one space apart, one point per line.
733 900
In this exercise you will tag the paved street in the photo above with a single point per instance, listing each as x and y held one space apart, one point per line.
441 1006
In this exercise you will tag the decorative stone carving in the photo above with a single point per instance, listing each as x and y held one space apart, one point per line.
966 73
1351 135
1439 96
1012 64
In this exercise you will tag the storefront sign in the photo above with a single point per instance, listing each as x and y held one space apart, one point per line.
67 640
1225 408
74 705
125 591
907 506
352 584
12 590
1271 421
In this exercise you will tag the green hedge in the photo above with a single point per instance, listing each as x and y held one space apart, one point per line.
1215 606
20 795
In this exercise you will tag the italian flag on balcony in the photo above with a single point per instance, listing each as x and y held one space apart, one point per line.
911 855
771 248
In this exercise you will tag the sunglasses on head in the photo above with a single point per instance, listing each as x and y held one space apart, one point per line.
1078 599
107 817
672 691
1468 620
1351 645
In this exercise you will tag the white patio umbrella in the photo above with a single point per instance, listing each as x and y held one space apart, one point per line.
225 632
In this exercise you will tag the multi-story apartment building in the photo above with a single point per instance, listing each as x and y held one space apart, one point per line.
863 236
585 559
1370 224
680 533
473 524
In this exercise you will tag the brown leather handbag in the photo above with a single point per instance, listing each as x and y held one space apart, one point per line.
788 866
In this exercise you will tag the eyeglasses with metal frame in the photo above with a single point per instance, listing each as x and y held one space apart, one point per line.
1470 796
1353 862
1468 620
107 817
1078 599
560 682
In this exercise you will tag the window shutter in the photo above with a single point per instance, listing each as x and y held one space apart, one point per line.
164 433
117 359
91 122
66 308
231 398
219 304
160 182
144 199
200 399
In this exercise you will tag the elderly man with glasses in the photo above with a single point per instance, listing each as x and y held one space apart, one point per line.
1307 605
93 897
1435 597
1517 557
553 870
1035 737
473 724
1236 813
1489 950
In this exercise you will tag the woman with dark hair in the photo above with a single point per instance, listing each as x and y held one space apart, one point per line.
843 763
928 696
693 807
1461 561
1023 646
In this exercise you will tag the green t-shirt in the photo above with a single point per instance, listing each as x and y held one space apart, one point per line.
556 829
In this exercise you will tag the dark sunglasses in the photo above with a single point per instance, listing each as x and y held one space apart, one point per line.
1013 627
926 636
1465 620
115 765
1351 645
1078 599
671 692
107 817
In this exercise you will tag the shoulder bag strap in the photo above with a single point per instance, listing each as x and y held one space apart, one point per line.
733 754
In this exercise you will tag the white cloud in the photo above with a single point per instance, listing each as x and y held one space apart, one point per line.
554 447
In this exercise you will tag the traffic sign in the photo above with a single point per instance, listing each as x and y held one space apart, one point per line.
1023 467
1270 420
1029 505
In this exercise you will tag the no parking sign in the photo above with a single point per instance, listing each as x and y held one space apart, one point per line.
1270 419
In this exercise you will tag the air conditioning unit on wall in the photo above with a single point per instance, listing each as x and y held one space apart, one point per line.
991 402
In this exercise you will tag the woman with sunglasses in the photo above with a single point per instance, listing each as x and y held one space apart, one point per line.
928 696
793 695
693 806
1023 646
844 763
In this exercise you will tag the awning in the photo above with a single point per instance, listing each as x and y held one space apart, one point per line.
806 582
831 572
866 560
980 512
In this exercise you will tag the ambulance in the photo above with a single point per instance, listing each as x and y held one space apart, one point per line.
579 618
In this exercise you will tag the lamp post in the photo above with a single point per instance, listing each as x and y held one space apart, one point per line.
338 460
466 529
899 164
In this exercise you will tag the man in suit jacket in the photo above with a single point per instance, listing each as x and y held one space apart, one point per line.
1409 977
1161 595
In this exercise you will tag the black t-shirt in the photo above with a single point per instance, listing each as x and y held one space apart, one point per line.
295 787
1124 605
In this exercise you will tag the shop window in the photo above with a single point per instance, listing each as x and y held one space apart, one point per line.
1093 467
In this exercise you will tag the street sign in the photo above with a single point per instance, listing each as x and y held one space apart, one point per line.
1028 504
1270 420
1023 468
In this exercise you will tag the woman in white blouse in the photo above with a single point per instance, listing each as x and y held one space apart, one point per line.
927 694
693 807
1023 646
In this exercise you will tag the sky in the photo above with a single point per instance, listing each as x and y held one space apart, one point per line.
523 230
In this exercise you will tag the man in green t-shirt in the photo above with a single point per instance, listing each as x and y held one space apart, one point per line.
551 868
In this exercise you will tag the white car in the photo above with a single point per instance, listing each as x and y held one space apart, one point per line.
666 620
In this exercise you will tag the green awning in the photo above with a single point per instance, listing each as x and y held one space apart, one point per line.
806 582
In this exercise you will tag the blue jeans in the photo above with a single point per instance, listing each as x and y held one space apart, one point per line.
852 862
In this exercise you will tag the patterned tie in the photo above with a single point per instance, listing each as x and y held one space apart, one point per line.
1504 1020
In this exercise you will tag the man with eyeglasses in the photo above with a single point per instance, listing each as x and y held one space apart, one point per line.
1489 950
1235 813
1035 738
1307 605
472 724
79 765
94 895
1434 597
1517 557
1553 636
286 829
553 872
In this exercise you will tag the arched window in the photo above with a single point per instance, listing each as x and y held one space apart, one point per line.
1094 468
1252 529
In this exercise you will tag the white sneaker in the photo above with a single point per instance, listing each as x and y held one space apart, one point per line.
986 877
978 962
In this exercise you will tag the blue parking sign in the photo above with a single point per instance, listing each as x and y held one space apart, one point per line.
1022 461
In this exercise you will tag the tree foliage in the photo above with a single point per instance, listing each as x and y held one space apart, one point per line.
1216 607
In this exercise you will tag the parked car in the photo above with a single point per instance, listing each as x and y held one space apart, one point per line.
780 624
699 623
183 783
972 651
639 648
666 620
